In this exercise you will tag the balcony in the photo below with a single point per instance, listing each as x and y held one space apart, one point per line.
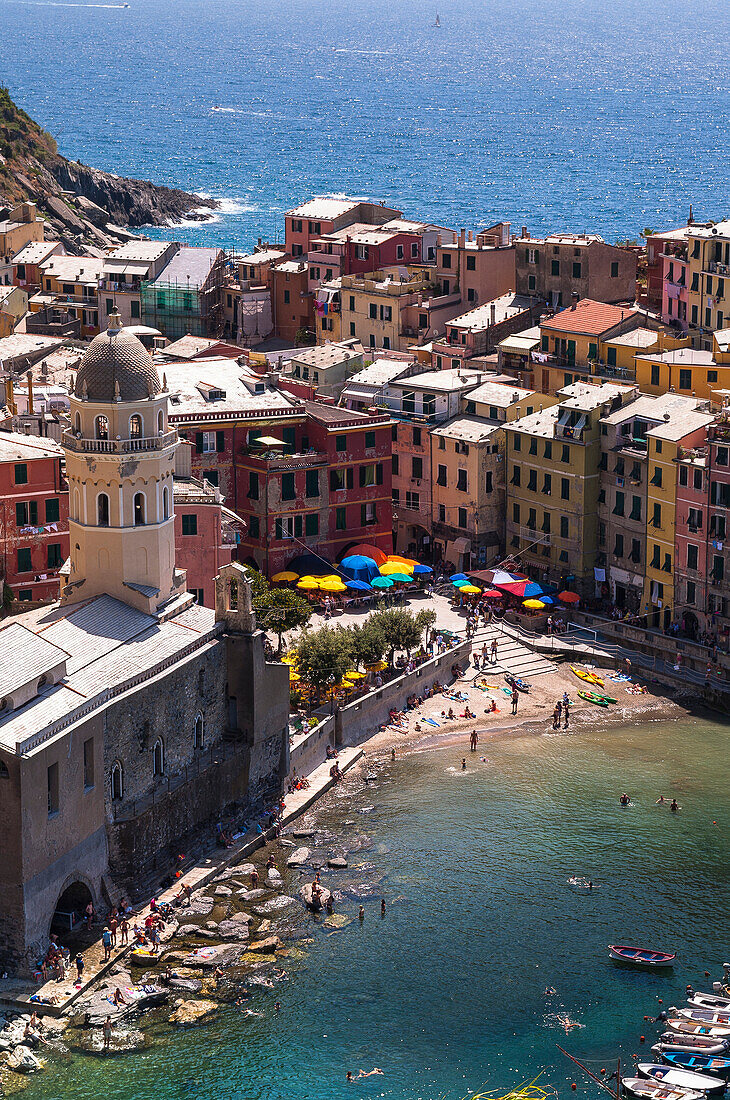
118 446
567 431
285 461
113 285
715 268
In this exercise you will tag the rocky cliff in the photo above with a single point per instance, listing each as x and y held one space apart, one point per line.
84 207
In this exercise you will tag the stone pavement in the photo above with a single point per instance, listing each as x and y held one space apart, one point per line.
512 655
15 993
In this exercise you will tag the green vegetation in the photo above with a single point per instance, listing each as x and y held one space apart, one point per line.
277 609
24 147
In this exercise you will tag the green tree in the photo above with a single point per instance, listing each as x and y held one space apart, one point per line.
400 629
280 610
426 620
368 642
324 656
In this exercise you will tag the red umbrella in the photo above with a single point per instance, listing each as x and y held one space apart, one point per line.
569 597
491 594
367 550
522 588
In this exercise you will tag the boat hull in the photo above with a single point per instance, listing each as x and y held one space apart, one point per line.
700 1044
719 1032
714 1065
644 1089
680 1078
705 1015
641 956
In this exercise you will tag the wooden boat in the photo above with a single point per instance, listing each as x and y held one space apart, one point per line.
681 1078
591 697
516 682
641 956
589 677
709 1000
705 1015
713 1064
655 1090
694 1027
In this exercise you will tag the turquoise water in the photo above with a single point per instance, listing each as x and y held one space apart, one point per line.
447 992
558 114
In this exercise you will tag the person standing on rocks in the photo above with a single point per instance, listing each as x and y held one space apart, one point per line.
106 939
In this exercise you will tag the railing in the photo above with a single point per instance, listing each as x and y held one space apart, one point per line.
167 784
716 268
118 446
275 461
113 284
567 431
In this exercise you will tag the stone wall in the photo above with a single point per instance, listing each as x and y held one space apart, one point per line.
310 749
363 717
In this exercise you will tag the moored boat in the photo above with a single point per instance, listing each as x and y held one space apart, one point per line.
709 1000
641 956
645 1089
516 682
714 1064
702 1044
589 677
693 1027
680 1078
705 1015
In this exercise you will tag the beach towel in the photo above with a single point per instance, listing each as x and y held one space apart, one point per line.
203 953
431 722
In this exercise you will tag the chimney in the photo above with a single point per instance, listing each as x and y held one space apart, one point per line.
29 378
691 218
462 238
574 299
470 236
524 230
492 314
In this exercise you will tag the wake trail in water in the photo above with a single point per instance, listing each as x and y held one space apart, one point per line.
59 4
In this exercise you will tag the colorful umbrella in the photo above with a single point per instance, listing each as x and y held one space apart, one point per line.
308 583
359 567
524 589
282 578
470 588
419 570
401 578
459 577
391 567
461 582
402 561
367 550
359 586
382 582
492 594
569 597
501 576
533 605
332 584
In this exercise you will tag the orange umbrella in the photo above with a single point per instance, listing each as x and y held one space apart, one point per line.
568 597
368 551
402 561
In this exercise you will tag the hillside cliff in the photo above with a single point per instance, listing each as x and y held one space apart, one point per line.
82 205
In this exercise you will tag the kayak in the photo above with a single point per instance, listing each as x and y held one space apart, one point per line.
591 697
516 682
589 677
680 1078
640 956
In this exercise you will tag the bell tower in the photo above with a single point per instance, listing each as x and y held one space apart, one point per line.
119 461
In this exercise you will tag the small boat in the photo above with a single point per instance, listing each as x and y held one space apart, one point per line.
516 682
655 1090
589 677
681 1078
694 1027
705 1015
699 1044
709 1000
699 1063
591 697
438 20
640 956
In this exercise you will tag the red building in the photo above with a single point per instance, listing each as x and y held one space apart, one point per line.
324 215
33 516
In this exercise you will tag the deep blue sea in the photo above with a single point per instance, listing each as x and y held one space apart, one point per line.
604 115
448 993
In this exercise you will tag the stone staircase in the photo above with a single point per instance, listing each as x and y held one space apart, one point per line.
512 656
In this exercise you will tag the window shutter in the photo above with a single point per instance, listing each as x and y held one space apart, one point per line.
279 530
379 474
362 476
297 527
199 442
363 515
350 477
220 441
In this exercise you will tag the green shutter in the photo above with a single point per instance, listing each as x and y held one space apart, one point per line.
297 527
199 442
278 529
379 474
311 523
363 515
220 441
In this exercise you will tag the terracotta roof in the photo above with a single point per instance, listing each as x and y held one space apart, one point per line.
589 318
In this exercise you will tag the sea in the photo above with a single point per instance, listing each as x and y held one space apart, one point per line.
490 953
608 117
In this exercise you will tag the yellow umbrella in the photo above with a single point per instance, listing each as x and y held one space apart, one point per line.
378 666
403 561
470 588
330 577
282 578
308 583
395 567
533 605
294 676
335 585
353 675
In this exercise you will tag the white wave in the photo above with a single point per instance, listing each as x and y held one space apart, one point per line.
58 4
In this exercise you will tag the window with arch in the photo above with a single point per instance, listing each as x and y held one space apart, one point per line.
165 503
77 424
160 422
139 509
102 427
135 426
102 510
77 504
158 758
117 781
198 733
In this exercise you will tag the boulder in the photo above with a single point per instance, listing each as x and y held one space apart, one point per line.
220 955
273 905
251 895
337 861
187 930
211 925
245 869
233 930
298 857
266 946
123 1041
315 905
303 833
273 877
22 1060
207 933
190 1013
242 918
186 985
222 892
200 906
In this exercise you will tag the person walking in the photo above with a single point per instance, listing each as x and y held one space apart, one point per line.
107 1033
566 712
556 717
515 700
474 740
493 651
106 939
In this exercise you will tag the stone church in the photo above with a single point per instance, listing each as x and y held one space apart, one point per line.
131 718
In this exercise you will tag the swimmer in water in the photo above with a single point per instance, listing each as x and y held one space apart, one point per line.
624 799
382 907
361 914
660 800
590 884
674 807
362 1072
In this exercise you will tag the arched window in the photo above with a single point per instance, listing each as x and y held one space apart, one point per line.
165 504
77 424
117 781
139 509
160 422
77 505
135 426
198 734
102 427
102 510
158 758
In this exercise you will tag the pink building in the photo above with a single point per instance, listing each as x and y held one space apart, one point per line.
675 280
323 215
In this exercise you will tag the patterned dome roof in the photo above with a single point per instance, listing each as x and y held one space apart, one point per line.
116 367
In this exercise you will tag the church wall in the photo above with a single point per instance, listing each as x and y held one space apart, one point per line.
262 716
11 890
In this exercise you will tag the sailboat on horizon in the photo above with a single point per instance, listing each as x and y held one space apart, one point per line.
438 20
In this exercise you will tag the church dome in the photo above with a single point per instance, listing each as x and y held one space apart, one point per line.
116 367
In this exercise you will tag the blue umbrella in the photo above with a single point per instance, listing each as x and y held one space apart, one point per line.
359 567
459 577
359 586
532 591
418 569
547 599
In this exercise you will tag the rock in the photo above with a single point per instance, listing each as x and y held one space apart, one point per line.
211 925
303 833
298 857
251 895
316 864
273 877
305 894
337 861
207 933
273 905
123 1041
22 1060
186 985
336 920
242 918
200 906
245 868
222 892
266 946
187 930
221 955
233 930
265 926
190 1013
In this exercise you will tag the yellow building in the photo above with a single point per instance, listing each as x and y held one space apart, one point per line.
71 283
689 371
708 279
683 430
502 402
328 312
552 474
372 307
21 227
